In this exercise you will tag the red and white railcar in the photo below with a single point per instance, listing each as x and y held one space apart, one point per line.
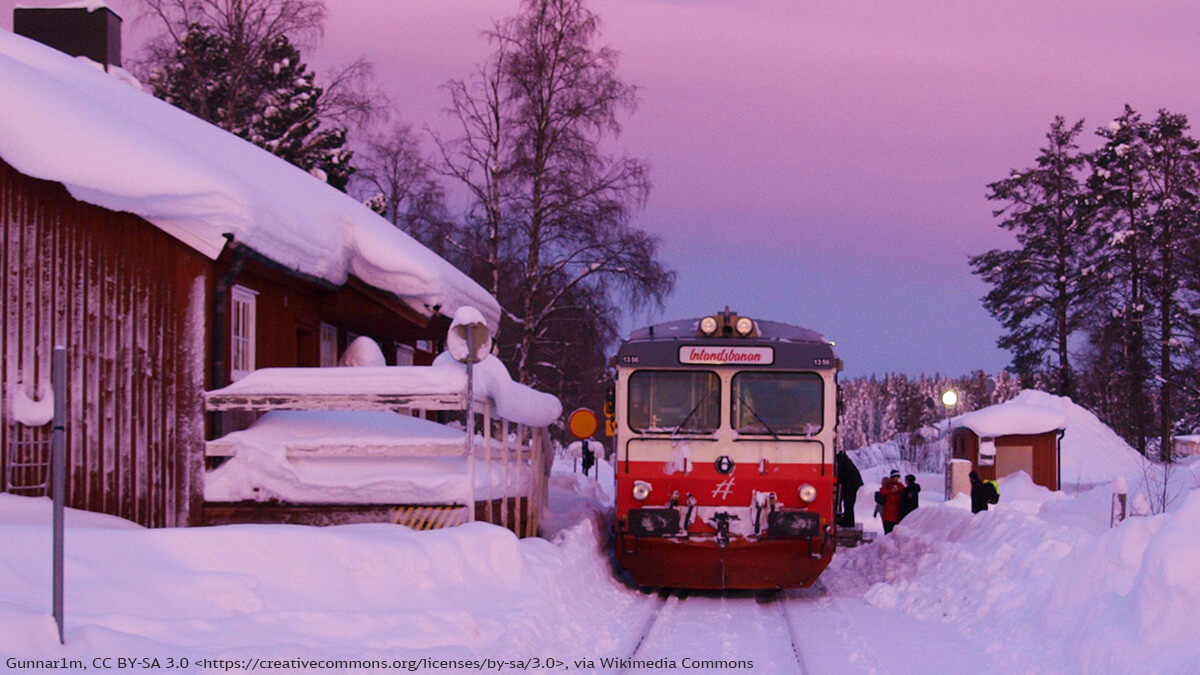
725 431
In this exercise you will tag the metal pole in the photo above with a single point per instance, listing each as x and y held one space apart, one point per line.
471 430
58 470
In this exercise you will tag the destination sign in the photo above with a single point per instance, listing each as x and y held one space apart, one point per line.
719 356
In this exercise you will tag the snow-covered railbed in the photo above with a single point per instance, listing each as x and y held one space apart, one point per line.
720 632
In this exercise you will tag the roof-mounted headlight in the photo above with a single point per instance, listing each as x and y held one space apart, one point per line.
744 326
708 325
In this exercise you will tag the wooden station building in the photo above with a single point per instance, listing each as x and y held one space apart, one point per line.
170 257
1010 437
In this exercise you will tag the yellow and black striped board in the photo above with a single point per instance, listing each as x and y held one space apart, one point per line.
429 517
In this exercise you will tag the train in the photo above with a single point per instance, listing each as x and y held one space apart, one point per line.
724 431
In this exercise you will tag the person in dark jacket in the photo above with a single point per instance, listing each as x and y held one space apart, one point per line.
982 493
849 481
910 499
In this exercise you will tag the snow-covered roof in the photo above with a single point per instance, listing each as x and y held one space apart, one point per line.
122 149
89 5
1011 418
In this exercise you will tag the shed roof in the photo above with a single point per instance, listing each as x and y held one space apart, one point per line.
1011 418
63 120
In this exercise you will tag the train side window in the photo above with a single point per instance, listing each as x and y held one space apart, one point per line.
767 402
668 401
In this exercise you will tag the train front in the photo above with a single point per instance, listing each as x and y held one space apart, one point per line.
725 446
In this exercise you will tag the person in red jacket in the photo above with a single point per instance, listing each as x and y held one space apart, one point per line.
889 496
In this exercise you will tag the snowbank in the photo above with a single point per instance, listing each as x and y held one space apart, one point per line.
124 150
39 511
1040 590
365 592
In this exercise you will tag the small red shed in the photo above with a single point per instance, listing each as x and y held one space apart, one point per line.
1010 437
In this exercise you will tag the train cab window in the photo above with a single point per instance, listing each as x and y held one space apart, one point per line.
777 403
674 401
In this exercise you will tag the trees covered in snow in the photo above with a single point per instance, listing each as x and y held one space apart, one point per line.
236 63
1040 290
550 230
897 406
1129 277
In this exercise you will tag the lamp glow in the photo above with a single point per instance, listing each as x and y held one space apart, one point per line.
949 398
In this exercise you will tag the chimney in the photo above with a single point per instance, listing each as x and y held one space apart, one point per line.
87 28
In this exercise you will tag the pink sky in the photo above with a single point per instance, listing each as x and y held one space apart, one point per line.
824 163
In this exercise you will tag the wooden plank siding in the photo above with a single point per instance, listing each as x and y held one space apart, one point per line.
1045 454
128 303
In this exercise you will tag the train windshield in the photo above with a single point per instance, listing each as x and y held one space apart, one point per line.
776 403
674 400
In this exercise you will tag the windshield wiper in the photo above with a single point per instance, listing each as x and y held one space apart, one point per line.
688 418
761 421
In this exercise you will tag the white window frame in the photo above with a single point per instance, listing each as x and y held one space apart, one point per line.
404 354
329 345
243 331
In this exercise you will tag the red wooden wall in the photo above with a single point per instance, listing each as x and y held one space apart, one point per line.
128 303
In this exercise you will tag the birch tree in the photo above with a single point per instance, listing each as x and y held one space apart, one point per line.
551 210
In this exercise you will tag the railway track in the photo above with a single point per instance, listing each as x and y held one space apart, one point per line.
750 618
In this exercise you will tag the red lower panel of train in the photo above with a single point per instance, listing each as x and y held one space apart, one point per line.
745 529
742 564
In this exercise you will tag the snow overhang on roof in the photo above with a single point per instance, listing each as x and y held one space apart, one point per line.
1011 419
124 150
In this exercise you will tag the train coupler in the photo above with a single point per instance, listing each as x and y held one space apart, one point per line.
721 520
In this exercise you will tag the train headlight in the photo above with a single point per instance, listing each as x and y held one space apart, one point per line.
744 326
641 490
708 325
808 493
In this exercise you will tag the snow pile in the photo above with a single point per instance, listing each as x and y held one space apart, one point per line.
363 352
514 401
29 412
352 469
1036 588
16 510
456 339
1092 453
124 150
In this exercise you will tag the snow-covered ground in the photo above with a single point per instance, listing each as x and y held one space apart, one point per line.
1040 583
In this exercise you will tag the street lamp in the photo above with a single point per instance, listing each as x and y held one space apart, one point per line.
949 401
949 398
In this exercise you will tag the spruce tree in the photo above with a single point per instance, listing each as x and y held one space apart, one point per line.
1148 177
1040 291
273 103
